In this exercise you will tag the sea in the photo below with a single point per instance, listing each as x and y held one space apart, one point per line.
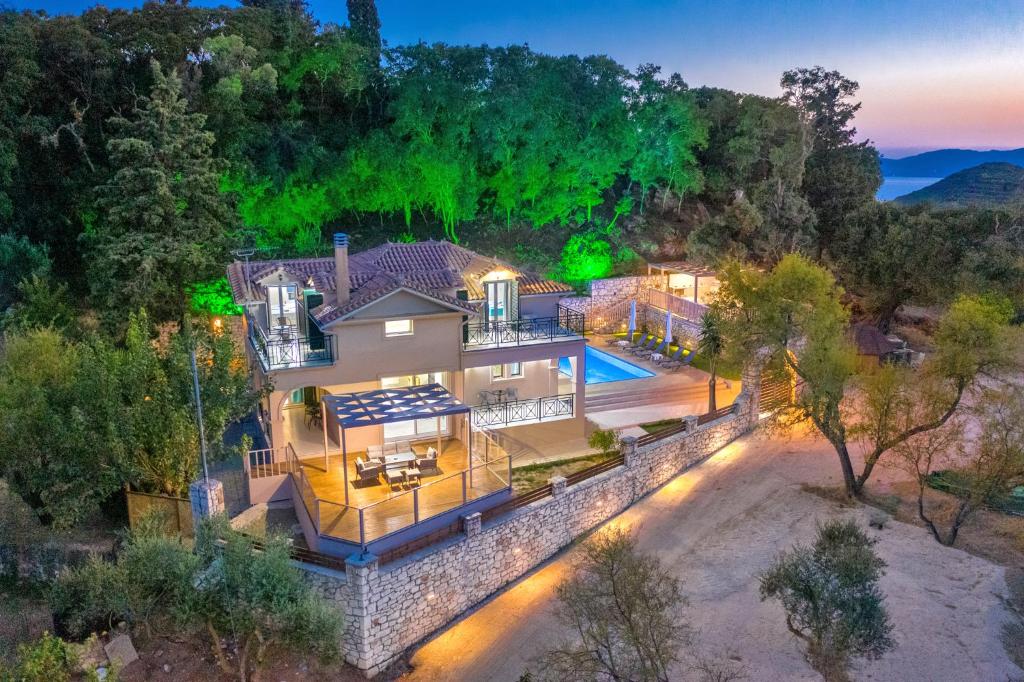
897 187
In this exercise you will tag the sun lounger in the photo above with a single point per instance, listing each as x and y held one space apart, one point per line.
674 365
648 352
648 344
669 359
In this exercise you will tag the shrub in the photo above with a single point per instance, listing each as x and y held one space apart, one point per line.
605 440
49 659
831 597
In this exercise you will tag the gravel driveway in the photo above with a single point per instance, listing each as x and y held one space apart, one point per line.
720 524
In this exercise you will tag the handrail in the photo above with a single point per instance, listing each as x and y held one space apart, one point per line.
527 409
264 462
300 351
501 333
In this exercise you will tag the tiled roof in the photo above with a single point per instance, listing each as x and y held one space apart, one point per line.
432 268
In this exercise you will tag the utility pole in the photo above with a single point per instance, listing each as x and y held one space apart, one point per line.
199 415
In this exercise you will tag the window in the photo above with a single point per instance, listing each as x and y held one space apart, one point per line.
511 370
398 328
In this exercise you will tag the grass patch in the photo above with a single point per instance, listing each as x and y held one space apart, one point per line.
833 493
24 616
660 425
532 476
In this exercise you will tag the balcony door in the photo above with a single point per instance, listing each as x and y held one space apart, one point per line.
500 304
418 428
282 308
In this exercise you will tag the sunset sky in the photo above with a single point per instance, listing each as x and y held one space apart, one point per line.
935 73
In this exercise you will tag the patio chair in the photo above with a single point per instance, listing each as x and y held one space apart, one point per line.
368 471
677 356
485 397
648 352
375 452
428 462
511 394
645 346
640 342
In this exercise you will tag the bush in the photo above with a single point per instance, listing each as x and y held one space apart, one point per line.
49 659
831 597
605 440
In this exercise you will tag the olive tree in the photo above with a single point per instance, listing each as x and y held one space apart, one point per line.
831 597
794 317
985 463
623 606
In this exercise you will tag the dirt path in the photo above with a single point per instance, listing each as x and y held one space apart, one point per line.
720 524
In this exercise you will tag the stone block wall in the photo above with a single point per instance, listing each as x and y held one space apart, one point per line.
388 609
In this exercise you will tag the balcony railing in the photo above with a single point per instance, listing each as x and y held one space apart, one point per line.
531 410
499 334
680 307
284 351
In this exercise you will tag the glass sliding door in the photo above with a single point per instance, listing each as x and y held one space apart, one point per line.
282 309
419 428
499 307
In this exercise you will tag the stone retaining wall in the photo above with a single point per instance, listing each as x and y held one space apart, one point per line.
388 609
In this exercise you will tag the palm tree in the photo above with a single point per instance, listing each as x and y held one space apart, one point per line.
711 346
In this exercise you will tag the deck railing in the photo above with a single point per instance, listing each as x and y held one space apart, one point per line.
541 409
503 333
676 305
277 352
267 462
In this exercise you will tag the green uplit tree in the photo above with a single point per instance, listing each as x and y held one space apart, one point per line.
163 220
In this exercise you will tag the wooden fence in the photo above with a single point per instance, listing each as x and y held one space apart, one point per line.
176 512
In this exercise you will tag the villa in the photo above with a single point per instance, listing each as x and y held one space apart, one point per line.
395 374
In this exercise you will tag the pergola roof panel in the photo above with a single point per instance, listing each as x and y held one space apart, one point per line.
389 405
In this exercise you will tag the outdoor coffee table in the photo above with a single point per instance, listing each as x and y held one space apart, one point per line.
399 460
622 344
394 477
411 474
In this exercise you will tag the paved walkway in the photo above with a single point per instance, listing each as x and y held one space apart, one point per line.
720 524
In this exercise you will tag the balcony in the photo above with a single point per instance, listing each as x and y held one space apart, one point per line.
527 411
568 324
281 348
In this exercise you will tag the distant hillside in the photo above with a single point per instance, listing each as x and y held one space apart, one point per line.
990 184
943 162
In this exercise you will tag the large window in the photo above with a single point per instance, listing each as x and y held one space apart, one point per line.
511 370
418 428
398 328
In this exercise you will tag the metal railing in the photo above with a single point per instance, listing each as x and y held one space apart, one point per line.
528 410
267 462
281 352
501 333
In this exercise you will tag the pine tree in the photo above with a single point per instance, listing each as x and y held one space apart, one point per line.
162 220
364 22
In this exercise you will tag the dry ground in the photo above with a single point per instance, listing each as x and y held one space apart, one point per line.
719 525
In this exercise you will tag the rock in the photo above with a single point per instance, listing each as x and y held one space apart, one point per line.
167 668
877 519
121 651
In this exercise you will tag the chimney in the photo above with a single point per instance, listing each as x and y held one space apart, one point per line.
341 280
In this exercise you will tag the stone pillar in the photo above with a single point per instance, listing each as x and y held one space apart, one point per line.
206 499
471 524
558 484
691 422
627 446
361 573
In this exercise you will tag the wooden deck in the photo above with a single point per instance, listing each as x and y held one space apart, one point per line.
386 509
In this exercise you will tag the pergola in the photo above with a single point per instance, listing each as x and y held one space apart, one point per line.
387 406
675 273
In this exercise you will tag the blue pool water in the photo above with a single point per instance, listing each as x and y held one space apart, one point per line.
603 367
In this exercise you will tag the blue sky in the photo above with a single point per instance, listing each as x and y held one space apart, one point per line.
932 74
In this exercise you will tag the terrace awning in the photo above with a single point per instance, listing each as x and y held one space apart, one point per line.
387 406
390 405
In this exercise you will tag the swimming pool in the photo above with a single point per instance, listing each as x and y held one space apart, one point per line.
603 367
